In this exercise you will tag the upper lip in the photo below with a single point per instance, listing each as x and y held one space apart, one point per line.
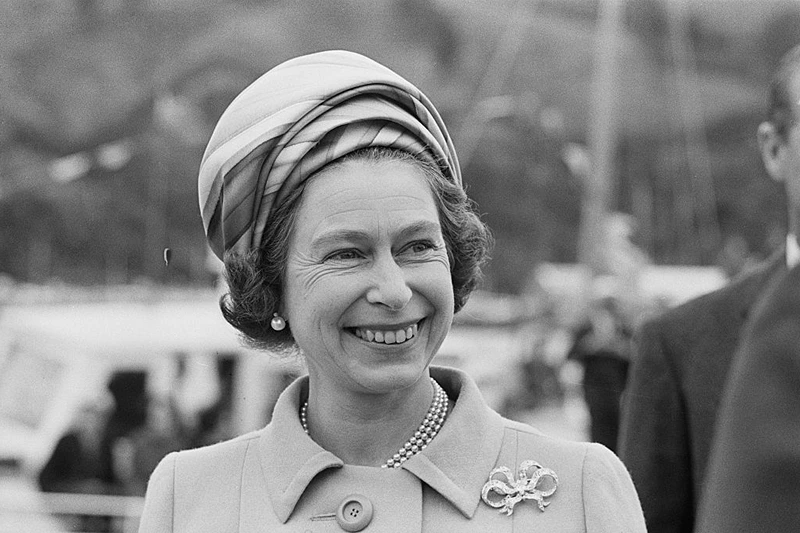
389 327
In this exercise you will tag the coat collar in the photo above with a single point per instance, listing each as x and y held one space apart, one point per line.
455 464
746 289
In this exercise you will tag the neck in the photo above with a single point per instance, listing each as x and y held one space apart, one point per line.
366 429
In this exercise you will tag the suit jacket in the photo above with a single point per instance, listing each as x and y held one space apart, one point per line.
754 470
673 393
279 479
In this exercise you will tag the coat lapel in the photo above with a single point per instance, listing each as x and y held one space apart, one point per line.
472 435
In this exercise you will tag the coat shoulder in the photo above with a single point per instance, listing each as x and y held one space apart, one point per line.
218 459
198 489
588 458
691 311
530 443
591 478
738 294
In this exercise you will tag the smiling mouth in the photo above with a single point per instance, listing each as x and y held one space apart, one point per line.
390 336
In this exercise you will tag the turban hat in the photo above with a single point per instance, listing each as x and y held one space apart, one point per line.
295 119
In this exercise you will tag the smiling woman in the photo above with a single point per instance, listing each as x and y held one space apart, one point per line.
332 191
255 277
367 255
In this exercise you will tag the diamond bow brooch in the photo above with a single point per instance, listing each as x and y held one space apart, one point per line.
533 482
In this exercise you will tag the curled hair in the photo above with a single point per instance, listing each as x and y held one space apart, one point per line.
255 282
256 279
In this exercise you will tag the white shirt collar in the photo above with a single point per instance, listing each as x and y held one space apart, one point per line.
792 250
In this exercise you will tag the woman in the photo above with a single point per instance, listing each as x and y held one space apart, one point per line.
332 189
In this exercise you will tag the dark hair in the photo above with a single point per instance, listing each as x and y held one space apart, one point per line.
781 100
255 279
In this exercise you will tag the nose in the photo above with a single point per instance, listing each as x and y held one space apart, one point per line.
389 286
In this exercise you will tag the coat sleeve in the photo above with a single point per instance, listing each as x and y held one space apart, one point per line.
611 504
157 515
654 444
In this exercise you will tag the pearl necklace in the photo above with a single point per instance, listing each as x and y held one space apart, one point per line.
424 434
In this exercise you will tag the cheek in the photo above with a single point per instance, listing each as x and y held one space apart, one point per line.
437 283
320 299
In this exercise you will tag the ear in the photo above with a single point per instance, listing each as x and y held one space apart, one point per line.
772 149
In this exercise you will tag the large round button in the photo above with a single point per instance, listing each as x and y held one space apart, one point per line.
354 513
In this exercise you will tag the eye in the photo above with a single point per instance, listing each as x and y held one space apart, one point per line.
419 247
344 255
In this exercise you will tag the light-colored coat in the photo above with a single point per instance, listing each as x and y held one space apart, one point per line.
279 479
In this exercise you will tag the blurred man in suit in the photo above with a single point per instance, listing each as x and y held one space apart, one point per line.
754 470
683 356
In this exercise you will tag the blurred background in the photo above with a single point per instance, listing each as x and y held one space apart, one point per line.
609 144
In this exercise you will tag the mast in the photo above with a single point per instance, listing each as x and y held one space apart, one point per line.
598 183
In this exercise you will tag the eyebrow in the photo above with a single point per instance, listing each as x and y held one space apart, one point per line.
346 235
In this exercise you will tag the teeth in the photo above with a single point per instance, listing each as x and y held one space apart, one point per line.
387 337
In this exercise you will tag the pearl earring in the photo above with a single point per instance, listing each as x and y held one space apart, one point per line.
277 322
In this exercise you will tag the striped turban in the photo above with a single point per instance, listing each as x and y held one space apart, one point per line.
295 119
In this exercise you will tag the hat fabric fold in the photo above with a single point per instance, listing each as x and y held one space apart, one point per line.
294 120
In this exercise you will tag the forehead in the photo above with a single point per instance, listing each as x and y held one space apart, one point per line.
366 192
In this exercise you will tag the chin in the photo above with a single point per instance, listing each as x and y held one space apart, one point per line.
391 377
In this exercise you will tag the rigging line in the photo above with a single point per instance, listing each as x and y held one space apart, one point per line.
702 203
603 124
483 106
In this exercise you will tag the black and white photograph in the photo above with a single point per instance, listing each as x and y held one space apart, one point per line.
399 266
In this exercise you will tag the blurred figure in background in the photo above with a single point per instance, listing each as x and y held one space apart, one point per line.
682 359
75 466
214 422
198 393
754 469
602 346
136 455
129 391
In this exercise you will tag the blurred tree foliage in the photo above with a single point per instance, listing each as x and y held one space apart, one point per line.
106 107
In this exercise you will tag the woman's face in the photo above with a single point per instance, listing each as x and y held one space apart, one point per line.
368 292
